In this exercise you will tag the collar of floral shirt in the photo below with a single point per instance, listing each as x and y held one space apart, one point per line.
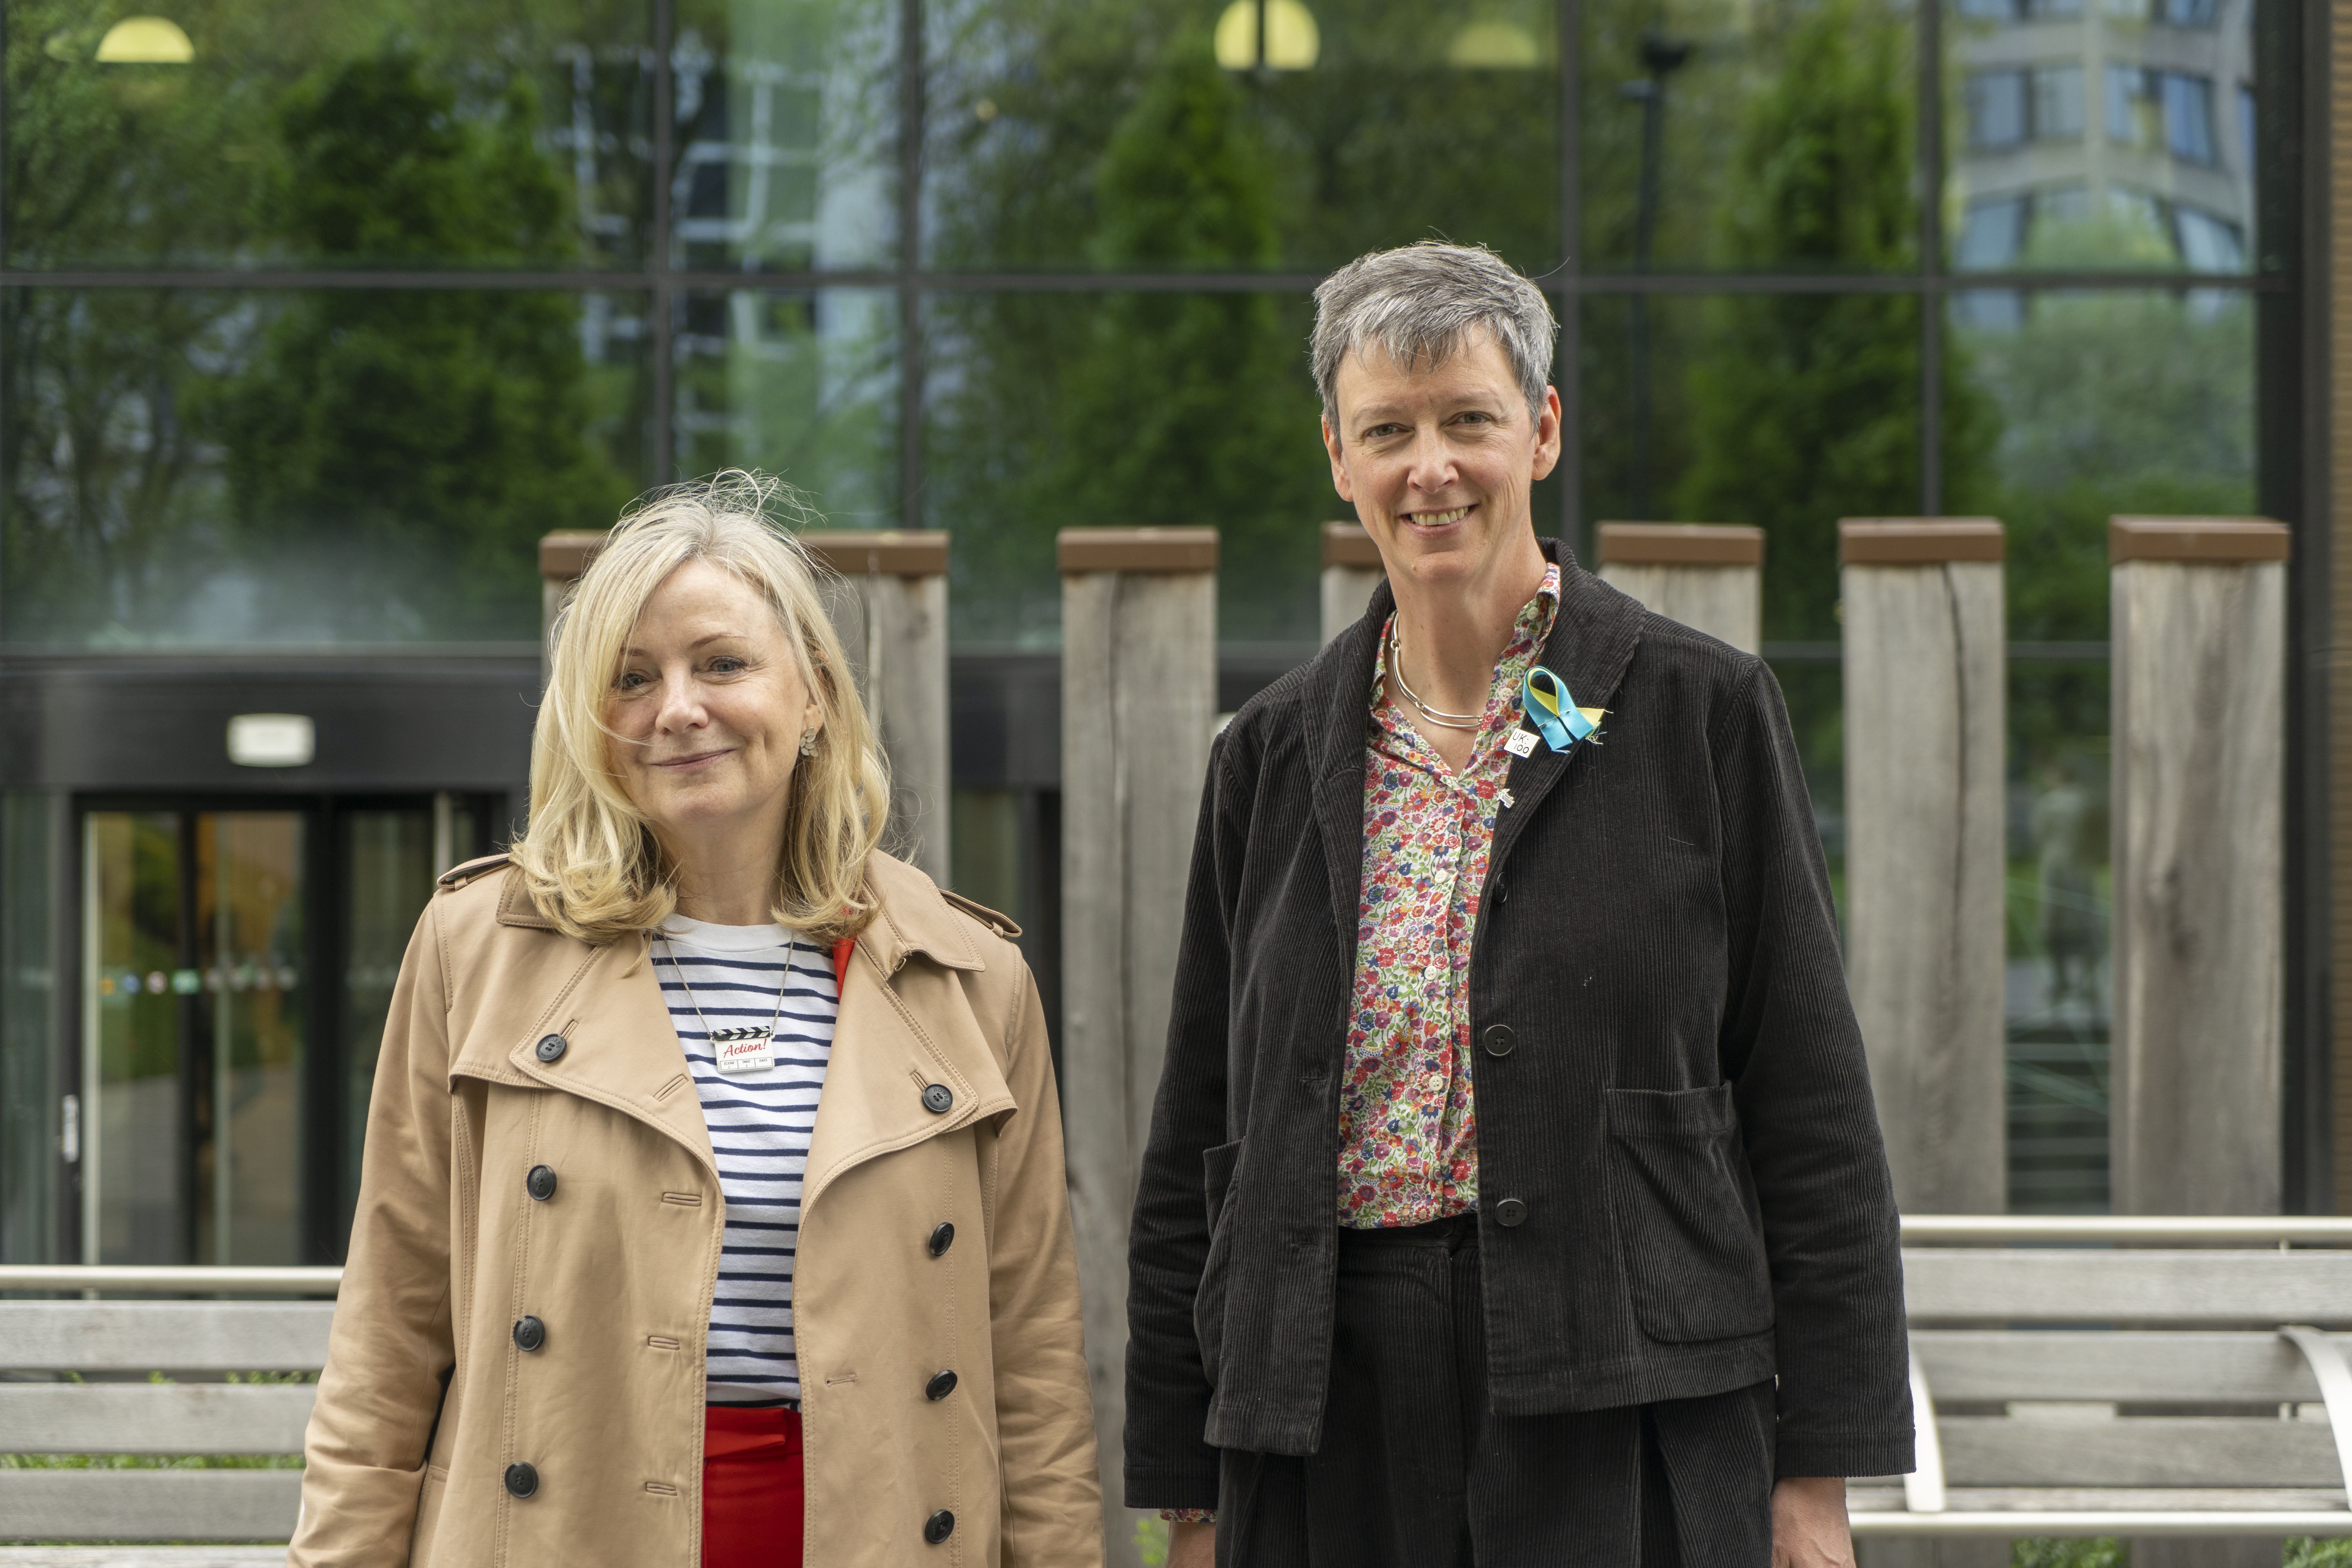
1530 632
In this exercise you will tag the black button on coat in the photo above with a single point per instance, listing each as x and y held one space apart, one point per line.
1686 1112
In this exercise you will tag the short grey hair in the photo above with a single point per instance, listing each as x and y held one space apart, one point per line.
1420 302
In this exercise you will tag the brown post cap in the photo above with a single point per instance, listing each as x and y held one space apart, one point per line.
1136 549
564 554
1681 544
1917 541
891 552
2225 541
1347 544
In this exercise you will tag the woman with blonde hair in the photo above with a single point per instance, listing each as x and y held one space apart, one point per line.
712 1208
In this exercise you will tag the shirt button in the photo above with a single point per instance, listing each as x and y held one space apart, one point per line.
939 1527
938 1099
551 1047
530 1333
941 1239
521 1480
941 1386
1499 1040
1510 1212
541 1182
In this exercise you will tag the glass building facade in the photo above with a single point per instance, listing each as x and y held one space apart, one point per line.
314 319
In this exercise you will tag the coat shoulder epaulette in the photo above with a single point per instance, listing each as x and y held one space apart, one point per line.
457 877
1001 924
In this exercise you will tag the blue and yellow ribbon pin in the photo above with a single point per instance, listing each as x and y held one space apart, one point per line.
1554 712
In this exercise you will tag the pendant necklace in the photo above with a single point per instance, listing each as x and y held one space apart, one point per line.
747 1048
1435 716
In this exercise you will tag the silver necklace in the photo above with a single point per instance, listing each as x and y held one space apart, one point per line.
1435 716
745 1031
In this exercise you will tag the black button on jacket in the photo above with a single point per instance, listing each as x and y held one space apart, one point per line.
1684 1112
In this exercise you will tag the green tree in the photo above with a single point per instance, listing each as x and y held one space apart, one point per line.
1805 408
1166 409
436 434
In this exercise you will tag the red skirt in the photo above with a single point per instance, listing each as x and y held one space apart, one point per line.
751 1488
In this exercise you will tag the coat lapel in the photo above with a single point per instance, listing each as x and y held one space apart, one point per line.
900 1032
1591 646
1339 757
619 1047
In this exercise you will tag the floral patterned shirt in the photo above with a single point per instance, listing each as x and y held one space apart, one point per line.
1408 1141
1408 1132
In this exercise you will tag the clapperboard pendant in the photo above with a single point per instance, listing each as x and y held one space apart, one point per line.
748 1049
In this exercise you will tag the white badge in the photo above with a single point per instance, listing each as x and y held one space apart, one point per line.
1521 743
744 1051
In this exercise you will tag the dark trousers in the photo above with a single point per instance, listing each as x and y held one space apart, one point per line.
1415 1471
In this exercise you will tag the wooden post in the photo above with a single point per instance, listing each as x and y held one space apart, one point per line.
1351 570
1926 861
563 555
1139 705
2199 624
1708 576
890 610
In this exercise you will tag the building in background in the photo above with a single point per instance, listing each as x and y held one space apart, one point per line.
313 320
2106 131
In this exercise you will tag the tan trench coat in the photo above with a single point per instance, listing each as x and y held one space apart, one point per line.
426 1400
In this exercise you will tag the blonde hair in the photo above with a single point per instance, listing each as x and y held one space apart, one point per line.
588 857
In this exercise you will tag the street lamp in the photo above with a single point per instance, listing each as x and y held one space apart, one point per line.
1660 57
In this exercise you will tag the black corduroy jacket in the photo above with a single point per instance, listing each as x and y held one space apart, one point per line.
1681 1102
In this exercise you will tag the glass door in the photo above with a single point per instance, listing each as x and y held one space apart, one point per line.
196 1022
237 966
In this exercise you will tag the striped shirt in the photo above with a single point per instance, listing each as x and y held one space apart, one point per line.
727 977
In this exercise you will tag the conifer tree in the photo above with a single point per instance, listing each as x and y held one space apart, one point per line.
1806 407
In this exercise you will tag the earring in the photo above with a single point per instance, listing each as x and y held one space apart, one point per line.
808 743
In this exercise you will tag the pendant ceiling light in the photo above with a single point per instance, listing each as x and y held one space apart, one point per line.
145 41
1284 38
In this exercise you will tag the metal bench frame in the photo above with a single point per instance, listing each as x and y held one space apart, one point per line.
1925 1510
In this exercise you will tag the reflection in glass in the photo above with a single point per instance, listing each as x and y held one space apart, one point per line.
1053 411
787 132
388 871
1748 138
1107 134
801 384
2106 403
185 467
2058 993
194 1026
33 1110
1782 411
367 133
2156 170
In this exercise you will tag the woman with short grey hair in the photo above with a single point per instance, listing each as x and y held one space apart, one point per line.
1514 1193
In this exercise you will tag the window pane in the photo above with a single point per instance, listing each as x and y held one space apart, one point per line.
387 874
787 134
2155 170
1752 138
1133 135
187 467
1051 411
801 383
1783 411
2086 405
2080 405
403 133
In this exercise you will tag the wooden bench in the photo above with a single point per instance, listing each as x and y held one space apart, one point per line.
2137 1378
113 1347
2140 1378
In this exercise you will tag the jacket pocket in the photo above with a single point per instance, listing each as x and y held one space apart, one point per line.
1687 1227
1217 1177
1217 1167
